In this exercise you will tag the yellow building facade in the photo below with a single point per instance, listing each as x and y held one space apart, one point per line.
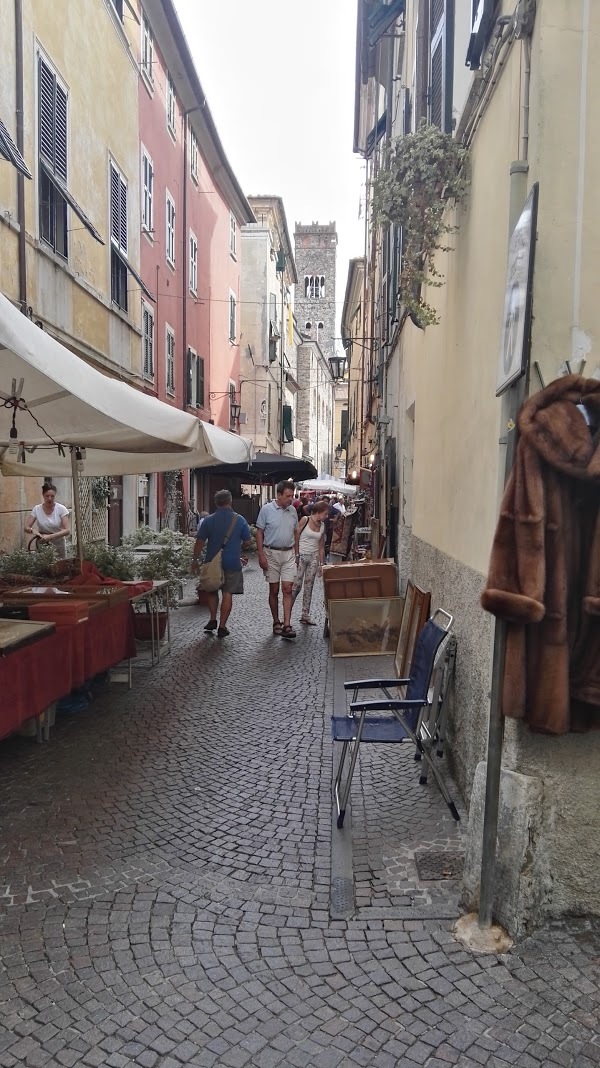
525 114
79 76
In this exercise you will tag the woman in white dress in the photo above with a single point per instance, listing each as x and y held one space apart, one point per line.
312 555
52 521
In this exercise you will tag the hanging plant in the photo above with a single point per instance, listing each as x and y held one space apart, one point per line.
101 491
421 174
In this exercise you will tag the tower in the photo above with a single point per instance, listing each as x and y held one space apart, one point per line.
315 254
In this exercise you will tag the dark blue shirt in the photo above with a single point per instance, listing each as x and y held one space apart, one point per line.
214 529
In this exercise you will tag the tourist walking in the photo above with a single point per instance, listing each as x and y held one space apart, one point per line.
225 530
277 545
311 531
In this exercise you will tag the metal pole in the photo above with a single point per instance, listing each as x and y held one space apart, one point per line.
77 503
511 404
20 130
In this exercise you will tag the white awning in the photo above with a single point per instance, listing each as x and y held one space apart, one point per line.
328 485
214 446
63 399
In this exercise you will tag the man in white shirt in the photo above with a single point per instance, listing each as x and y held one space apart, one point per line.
278 554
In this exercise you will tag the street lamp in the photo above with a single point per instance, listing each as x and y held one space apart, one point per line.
235 411
337 365
338 453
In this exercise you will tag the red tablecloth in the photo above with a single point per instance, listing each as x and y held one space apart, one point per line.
33 677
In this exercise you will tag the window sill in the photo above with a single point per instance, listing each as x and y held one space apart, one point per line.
171 393
194 293
233 256
171 264
148 234
149 378
172 132
195 178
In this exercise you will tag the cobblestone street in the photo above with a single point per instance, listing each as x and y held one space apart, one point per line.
167 881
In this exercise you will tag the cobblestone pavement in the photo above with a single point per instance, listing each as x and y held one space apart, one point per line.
165 871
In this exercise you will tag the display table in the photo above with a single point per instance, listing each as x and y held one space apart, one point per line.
153 599
35 676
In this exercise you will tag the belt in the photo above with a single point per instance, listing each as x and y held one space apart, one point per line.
280 548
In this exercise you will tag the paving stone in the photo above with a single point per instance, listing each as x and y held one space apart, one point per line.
167 901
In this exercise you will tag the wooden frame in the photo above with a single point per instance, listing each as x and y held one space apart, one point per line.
417 604
375 536
364 626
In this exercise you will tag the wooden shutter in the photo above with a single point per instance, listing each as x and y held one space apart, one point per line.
148 329
199 382
189 377
118 209
441 63
53 121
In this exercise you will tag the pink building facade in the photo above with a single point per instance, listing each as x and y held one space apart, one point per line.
192 209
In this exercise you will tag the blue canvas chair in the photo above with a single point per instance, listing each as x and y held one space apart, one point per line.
417 715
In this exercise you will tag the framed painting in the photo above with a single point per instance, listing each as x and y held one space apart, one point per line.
365 626
516 329
417 604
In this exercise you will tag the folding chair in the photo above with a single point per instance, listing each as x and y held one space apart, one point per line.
418 715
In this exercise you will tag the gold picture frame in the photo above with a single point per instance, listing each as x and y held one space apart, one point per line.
365 626
417 605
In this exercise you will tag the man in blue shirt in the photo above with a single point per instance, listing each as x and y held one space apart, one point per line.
212 532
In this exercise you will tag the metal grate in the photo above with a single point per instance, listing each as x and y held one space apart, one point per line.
432 866
342 897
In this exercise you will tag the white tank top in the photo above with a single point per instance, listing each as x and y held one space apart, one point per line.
309 540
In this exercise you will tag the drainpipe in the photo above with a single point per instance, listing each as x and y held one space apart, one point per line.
19 95
184 272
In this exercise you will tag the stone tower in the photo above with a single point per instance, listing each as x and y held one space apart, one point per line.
314 305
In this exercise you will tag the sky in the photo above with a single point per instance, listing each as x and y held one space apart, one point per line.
279 79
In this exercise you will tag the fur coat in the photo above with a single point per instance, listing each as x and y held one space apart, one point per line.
544 574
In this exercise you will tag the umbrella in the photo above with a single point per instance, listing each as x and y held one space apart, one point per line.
328 485
50 395
50 398
268 467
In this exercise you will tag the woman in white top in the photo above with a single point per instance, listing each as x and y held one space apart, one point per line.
52 521
312 554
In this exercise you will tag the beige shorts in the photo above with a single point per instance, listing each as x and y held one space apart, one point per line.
282 565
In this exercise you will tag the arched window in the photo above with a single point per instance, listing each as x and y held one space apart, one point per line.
322 286
308 283
320 326
308 325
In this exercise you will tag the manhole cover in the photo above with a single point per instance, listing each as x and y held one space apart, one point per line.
433 866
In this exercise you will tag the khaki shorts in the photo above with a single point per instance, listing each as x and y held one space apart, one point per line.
282 565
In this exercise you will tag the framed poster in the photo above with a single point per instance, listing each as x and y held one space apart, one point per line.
365 626
516 324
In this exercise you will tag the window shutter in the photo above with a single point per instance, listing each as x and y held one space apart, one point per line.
123 213
60 142
46 90
441 63
344 427
189 392
115 228
53 121
200 383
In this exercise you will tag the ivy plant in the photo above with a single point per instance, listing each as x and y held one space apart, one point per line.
421 173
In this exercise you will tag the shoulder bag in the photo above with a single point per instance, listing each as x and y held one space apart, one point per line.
210 576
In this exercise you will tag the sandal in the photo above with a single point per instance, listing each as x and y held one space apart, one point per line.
277 628
288 633
308 622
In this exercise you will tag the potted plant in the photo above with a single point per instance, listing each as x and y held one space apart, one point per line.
170 560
